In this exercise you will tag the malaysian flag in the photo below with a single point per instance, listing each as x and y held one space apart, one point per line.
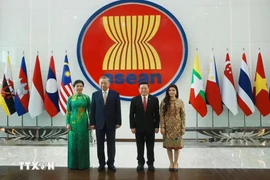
66 89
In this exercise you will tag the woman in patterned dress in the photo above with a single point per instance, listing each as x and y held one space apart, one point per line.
172 124
77 120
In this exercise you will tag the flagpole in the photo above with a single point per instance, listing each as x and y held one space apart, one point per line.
245 120
36 121
8 126
260 120
51 121
22 120
213 123
197 125
229 118
7 116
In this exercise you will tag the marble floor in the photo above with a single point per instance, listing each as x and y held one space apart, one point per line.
191 156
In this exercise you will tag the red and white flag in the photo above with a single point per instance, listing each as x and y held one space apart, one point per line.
229 96
36 101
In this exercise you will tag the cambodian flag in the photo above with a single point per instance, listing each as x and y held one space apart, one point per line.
22 92
51 94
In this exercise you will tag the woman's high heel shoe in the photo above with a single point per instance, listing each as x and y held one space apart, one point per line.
175 168
171 168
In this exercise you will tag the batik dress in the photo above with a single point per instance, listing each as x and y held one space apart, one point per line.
174 123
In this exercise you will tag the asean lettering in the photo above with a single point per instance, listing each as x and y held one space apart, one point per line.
134 79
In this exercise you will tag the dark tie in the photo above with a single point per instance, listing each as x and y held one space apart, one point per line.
144 103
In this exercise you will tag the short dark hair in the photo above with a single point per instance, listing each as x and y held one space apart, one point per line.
77 82
143 82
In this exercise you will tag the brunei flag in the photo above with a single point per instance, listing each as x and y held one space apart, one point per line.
51 94
197 95
7 92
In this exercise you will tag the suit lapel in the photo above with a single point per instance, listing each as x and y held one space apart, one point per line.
100 95
148 102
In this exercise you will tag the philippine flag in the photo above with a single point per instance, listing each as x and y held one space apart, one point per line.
51 94
22 93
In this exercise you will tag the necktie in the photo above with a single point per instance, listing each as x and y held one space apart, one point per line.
144 103
105 97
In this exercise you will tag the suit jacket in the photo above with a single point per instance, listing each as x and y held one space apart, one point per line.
144 121
107 115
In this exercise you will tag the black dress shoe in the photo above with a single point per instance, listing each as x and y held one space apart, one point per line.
140 168
171 169
101 168
151 168
112 168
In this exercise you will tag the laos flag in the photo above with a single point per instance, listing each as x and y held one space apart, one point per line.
51 94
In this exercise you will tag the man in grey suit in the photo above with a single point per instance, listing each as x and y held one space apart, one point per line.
105 118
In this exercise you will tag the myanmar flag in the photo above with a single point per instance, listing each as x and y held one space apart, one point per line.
197 94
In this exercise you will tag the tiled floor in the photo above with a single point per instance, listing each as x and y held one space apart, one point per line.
191 156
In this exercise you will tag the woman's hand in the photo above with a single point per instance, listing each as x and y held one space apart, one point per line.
162 130
68 127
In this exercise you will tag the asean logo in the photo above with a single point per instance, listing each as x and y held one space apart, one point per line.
131 42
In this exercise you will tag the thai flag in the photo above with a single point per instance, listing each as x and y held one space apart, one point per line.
51 94
22 93
245 96
66 89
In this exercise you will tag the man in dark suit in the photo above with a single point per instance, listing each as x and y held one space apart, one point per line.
105 118
144 123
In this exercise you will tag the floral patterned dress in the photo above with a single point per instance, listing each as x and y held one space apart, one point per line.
174 123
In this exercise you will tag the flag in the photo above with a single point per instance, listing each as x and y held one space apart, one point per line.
22 93
229 96
66 89
197 94
36 101
212 91
51 94
7 92
260 89
245 97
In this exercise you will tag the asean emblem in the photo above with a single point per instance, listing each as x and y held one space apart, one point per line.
131 42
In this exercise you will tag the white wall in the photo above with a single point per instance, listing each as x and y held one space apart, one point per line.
54 25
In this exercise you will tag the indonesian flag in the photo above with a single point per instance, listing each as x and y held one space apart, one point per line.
197 94
212 90
260 90
36 105
229 97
